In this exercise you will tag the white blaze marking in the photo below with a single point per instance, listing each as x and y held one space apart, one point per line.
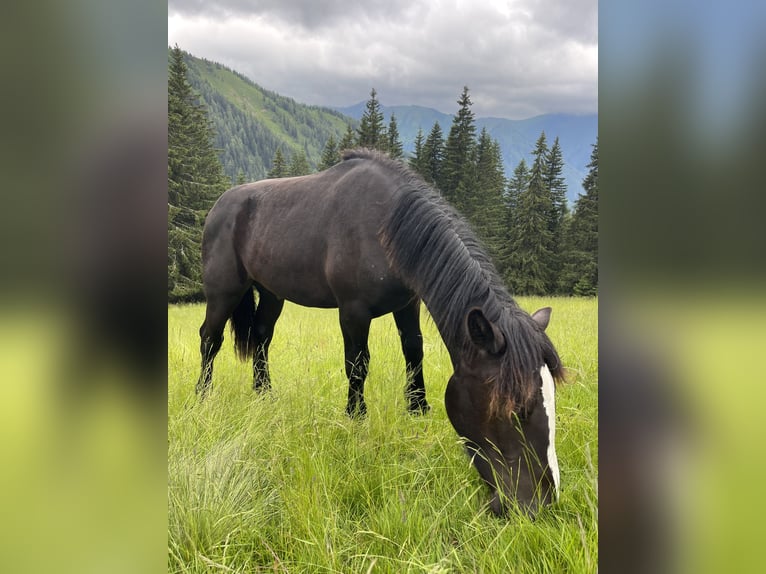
549 402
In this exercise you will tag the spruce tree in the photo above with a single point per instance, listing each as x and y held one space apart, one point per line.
557 188
299 164
417 161
580 271
330 155
348 141
457 181
394 143
486 204
195 181
433 155
278 165
555 182
371 129
517 185
530 272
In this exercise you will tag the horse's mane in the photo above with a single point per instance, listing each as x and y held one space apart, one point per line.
440 258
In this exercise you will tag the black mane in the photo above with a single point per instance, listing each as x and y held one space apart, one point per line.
440 258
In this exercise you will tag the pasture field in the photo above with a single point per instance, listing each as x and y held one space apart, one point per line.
288 483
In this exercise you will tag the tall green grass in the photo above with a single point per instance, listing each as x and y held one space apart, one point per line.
288 483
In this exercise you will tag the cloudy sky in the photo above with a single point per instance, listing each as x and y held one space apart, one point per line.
519 58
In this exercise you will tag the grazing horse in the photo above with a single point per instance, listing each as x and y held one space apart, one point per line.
369 237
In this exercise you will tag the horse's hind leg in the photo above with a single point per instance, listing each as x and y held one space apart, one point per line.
217 312
266 315
355 326
408 323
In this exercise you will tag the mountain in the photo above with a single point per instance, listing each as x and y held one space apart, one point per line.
251 122
517 138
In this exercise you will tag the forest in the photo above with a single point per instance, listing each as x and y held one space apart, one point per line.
540 245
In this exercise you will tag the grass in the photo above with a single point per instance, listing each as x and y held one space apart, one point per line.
287 483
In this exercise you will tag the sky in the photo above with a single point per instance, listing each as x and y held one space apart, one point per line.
519 58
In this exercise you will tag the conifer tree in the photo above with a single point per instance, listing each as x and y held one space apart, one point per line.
371 130
555 182
241 178
517 185
348 141
330 155
486 203
557 188
195 180
299 164
278 165
417 161
394 143
433 155
457 180
580 271
531 257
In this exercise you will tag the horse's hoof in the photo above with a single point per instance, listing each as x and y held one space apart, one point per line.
420 408
261 387
358 412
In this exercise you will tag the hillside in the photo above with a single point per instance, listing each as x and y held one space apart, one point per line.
251 122
517 138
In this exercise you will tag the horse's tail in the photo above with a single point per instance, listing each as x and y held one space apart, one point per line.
243 326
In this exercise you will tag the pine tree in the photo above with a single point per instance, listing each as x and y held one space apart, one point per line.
531 255
458 173
433 155
240 178
195 180
417 160
580 271
330 155
371 129
349 139
278 165
394 143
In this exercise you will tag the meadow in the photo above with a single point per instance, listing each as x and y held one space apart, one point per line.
286 482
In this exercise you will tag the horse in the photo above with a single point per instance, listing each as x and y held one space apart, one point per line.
370 237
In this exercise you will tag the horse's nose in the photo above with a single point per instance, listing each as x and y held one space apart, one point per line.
529 508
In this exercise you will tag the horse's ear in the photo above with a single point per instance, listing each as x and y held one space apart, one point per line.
483 333
542 317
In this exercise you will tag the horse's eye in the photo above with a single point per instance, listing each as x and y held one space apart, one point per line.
526 412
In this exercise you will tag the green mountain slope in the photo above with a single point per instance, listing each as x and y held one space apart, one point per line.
251 122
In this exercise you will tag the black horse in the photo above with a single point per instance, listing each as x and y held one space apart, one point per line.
369 237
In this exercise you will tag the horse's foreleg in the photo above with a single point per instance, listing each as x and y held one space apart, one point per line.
356 328
408 323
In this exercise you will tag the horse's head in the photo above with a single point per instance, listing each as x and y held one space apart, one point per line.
501 400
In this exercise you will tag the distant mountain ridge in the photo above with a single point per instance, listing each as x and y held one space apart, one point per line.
251 123
576 133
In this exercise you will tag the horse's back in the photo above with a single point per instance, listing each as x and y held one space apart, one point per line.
312 239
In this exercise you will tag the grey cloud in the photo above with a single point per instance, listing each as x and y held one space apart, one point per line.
524 60
310 14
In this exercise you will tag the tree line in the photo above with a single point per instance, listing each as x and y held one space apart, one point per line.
538 244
